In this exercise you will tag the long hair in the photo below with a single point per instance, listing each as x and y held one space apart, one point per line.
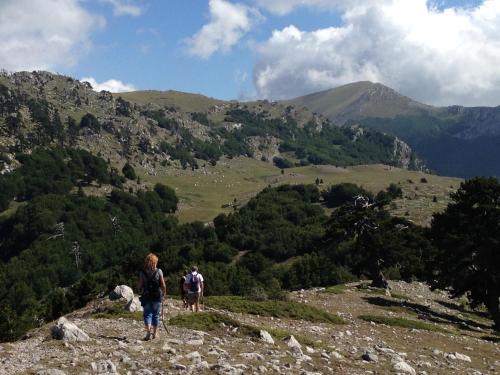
151 262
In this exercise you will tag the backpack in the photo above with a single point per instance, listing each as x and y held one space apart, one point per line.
152 290
194 283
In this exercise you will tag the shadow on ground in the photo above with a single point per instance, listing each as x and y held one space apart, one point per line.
426 313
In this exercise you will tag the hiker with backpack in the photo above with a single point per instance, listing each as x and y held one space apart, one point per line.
194 287
153 289
182 289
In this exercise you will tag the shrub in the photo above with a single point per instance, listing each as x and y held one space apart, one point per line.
129 172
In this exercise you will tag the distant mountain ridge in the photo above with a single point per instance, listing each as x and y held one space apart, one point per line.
164 130
359 100
455 140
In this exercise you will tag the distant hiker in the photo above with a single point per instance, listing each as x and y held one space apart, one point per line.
153 289
183 290
194 288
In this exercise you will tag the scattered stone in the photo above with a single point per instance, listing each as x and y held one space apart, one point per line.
103 367
370 357
462 357
310 350
293 344
404 368
336 355
67 331
51 371
226 369
253 356
195 342
180 367
168 349
121 291
266 337
195 357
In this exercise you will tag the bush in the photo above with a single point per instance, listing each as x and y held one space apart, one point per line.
129 172
340 194
282 163
91 122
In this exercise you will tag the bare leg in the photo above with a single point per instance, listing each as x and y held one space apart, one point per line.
155 328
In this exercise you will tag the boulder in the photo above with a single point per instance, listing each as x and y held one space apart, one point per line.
121 291
462 357
293 343
266 337
404 368
134 305
67 331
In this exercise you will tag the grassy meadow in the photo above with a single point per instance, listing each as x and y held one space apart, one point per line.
205 191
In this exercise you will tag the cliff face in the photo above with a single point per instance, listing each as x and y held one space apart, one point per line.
477 122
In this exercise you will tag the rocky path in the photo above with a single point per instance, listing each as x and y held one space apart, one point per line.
463 342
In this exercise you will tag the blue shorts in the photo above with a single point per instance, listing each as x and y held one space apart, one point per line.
151 313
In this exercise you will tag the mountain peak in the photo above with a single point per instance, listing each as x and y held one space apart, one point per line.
359 100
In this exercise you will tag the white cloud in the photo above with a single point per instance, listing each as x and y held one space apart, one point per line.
282 7
439 56
125 7
112 85
44 34
228 24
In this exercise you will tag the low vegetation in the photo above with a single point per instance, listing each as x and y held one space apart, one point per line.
212 321
402 322
277 309
217 322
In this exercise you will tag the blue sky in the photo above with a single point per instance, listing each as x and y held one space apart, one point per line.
439 52
149 51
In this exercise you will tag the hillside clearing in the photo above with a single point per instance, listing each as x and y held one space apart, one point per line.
205 191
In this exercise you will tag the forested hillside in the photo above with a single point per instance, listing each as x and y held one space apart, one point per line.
181 131
452 141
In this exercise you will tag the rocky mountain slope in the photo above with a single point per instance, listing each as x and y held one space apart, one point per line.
360 100
173 130
412 331
455 140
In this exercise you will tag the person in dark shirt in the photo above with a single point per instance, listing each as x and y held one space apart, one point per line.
183 291
153 290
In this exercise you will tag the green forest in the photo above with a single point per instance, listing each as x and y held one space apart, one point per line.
62 248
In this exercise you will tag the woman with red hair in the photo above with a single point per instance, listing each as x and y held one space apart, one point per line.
153 290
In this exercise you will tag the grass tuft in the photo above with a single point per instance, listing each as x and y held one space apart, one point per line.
277 309
401 322
400 296
336 289
117 310
211 321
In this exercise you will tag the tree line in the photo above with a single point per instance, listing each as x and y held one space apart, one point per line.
61 248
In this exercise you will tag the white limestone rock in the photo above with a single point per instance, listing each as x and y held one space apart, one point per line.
67 331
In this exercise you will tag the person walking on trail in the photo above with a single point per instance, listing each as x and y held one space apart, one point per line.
194 288
182 289
153 290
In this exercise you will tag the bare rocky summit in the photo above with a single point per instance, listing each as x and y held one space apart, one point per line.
449 340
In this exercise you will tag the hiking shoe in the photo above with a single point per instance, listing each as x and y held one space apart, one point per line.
148 337
154 335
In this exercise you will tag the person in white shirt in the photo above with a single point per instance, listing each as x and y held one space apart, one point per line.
194 287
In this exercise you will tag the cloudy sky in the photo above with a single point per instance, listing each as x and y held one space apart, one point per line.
436 51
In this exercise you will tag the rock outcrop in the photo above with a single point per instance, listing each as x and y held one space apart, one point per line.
67 331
